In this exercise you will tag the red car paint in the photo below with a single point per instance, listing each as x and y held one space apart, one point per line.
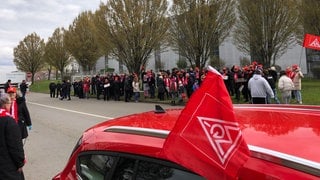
284 140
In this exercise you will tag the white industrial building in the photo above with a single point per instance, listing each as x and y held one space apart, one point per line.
227 52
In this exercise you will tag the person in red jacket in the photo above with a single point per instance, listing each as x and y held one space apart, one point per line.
12 156
19 111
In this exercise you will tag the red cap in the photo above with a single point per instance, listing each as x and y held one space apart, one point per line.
11 90
295 66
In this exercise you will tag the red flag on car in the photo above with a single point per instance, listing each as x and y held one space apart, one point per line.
207 138
311 41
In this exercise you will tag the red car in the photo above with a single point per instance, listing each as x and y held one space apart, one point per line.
208 139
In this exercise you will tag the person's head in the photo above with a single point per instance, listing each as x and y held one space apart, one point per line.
258 71
295 67
12 92
5 102
283 72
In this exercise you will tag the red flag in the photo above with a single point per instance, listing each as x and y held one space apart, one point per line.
207 138
311 41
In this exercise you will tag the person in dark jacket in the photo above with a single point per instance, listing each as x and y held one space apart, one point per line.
7 85
116 88
128 89
59 87
52 88
99 87
106 89
161 88
63 90
68 90
75 85
12 157
23 88
272 82
24 119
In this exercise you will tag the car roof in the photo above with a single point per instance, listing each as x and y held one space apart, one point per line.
292 130
130 133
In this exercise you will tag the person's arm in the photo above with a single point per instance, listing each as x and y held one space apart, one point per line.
280 84
301 74
26 114
268 88
14 143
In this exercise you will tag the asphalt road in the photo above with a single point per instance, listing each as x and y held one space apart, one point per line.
57 125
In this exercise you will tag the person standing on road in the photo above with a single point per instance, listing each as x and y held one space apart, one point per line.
23 88
12 157
63 91
52 88
68 90
259 88
58 88
19 111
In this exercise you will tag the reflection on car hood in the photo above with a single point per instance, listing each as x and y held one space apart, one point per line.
293 130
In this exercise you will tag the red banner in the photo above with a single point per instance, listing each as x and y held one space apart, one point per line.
207 138
311 41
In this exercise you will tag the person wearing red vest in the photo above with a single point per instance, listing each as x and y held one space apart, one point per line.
12 157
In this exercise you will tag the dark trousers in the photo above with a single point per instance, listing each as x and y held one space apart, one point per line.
52 93
259 100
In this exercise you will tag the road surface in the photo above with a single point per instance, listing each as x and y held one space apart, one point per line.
57 125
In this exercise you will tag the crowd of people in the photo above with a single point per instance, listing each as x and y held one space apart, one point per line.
260 85
252 83
14 121
175 85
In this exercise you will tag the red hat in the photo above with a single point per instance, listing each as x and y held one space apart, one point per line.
295 66
11 90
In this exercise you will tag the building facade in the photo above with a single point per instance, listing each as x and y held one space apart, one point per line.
227 52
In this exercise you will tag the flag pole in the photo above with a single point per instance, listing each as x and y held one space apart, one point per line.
300 56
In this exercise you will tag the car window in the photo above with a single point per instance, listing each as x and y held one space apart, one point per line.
133 169
120 166
95 166
153 171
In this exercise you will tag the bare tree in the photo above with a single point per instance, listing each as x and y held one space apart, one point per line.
200 26
310 16
28 55
266 28
134 29
81 41
56 53
310 24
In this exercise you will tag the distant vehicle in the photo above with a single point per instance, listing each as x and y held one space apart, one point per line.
15 77
208 139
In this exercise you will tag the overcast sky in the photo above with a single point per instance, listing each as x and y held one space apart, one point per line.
19 18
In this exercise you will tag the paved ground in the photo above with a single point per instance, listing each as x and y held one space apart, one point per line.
57 125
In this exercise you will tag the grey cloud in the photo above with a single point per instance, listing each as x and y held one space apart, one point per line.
20 18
